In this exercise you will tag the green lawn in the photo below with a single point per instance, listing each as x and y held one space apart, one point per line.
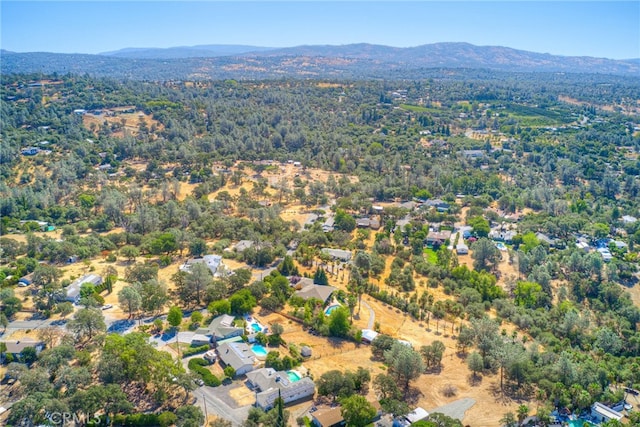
430 255
418 109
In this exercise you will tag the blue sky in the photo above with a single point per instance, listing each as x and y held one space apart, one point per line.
608 29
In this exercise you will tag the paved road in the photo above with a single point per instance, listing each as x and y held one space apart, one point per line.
372 315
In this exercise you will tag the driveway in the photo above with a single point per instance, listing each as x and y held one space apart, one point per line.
216 400
372 315
456 409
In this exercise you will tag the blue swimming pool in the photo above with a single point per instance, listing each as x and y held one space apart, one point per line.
293 376
259 350
256 327
579 423
331 308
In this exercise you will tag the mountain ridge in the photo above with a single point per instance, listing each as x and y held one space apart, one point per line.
360 60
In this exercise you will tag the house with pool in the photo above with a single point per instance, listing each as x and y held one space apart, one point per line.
320 292
268 383
238 355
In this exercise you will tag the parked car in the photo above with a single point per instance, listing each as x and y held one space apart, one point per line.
107 306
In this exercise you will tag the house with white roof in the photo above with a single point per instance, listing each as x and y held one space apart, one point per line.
213 262
368 335
606 255
601 413
269 383
237 355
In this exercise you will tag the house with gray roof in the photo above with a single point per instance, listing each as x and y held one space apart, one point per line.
321 292
237 355
73 290
269 383
15 347
339 254
220 328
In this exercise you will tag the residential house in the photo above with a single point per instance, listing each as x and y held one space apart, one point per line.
601 413
368 335
220 328
15 347
363 222
320 292
437 204
269 384
237 355
30 151
412 417
374 223
327 417
583 245
298 283
438 238
546 239
213 262
328 224
501 235
242 245
332 416
473 154
628 219
338 254
26 280
73 290
462 249
606 255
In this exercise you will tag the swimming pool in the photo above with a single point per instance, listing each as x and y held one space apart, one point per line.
256 327
579 423
331 308
293 376
259 350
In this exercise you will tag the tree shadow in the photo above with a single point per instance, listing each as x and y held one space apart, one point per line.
462 355
435 370
412 396
474 380
336 342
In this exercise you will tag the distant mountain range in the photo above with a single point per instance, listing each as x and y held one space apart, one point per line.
346 61
201 51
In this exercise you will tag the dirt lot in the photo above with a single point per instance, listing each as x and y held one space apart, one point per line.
126 116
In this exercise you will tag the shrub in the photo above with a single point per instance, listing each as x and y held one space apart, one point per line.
164 419
449 390
197 365
195 350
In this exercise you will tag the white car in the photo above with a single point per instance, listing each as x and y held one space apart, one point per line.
107 306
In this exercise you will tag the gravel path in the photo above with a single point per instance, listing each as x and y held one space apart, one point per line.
456 409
